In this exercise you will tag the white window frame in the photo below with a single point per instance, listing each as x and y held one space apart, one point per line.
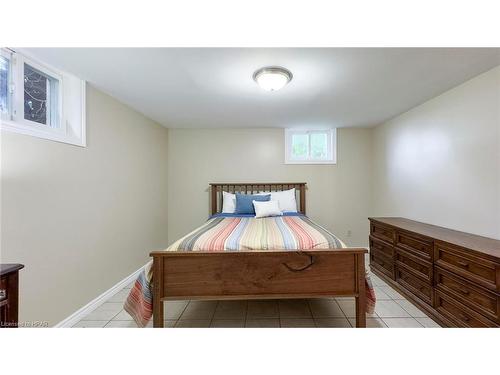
331 146
70 126
7 55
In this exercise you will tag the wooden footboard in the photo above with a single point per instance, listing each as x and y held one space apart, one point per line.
259 275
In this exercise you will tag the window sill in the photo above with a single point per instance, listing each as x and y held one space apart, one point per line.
313 162
14 127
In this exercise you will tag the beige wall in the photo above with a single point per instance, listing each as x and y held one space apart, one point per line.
440 162
82 219
338 196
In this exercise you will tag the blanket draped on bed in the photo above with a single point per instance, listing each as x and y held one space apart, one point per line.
234 233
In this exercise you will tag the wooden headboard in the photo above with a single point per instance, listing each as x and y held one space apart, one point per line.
250 188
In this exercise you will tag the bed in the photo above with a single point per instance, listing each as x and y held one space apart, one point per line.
235 256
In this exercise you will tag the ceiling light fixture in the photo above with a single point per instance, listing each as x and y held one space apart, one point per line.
272 78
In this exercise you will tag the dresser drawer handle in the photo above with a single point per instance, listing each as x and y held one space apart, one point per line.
464 291
464 317
462 263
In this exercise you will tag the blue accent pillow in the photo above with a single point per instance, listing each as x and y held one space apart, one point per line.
244 203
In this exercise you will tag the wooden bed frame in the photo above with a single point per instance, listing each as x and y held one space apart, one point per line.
187 275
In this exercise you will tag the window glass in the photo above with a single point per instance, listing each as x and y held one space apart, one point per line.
300 146
4 85
319 145
40 96
36 96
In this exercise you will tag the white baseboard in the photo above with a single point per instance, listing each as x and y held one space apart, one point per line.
95 303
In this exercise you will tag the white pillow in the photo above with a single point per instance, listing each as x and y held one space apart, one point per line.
286 200
265 209
228 203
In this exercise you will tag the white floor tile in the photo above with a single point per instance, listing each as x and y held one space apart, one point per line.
297 323
428 322
390 309
262 323
193 323
370 323
393 309
294 309
325 308
332 323
402 323
121 296
380 295
262 310
132 324
199 310
111 306
227 323
377 281
100 314
391 292
232 310
349 308
123 315
90 324
174 309
166 323
121 324
411 309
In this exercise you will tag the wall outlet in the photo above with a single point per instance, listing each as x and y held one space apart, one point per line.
349 233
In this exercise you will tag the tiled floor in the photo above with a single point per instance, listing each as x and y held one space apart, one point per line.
392 310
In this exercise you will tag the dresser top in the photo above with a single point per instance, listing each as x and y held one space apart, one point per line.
483 245
9 268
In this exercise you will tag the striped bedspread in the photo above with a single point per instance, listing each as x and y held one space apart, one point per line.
236 233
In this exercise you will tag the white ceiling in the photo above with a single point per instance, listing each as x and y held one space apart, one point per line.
213 87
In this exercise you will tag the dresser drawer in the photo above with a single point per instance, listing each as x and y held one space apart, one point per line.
382 263
381 231
414 285
414 264
420 246
479 270
382 246
460 314
478 299
3 288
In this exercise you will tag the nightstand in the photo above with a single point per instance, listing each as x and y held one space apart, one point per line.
9 295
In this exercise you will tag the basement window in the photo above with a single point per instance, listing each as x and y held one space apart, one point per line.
4 85
311 146
39 100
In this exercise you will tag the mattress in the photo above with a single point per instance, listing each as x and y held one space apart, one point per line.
231 232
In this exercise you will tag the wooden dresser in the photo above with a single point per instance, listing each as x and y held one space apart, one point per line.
9 295
453 276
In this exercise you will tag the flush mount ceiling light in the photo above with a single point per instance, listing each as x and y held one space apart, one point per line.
272 78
